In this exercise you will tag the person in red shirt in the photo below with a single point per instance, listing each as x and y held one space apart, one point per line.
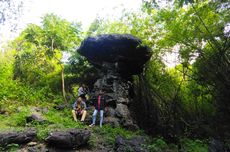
99 105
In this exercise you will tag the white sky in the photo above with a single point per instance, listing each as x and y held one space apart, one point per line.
80 10
84 11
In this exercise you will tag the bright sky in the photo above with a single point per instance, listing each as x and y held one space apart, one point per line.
84 11
81 10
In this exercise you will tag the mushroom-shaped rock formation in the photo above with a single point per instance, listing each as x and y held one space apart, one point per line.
118 57
122 52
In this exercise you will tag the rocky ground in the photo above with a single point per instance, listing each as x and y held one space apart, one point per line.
54 130
72 140
68 139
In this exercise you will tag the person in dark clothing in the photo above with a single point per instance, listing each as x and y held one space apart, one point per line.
83 91
99 105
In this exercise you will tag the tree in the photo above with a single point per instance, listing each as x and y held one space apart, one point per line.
187 94
42 46
198 29
60 36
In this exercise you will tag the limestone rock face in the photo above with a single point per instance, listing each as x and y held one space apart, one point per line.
124 52
122 110
117 57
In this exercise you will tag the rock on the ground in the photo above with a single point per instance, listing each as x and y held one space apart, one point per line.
17 137
134 144
3 111
216 146
39 109
34 147
113 121
69 139
60 107
35 117
128 124
110 112
122 111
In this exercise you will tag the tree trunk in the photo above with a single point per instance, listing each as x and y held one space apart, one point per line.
63 84
62 74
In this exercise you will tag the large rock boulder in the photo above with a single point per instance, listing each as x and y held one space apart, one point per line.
216 146
69 139
36 117
126 52
17 137
117 57
134 144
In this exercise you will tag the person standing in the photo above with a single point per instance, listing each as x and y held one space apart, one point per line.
82 91
99 106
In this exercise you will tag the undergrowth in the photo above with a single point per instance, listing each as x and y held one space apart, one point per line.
14 119
108 134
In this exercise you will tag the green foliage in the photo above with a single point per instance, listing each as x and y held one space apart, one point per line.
109 134
80 71
20 118
30 67
15 117
42 132
6 65
158 145
39 51
56 119
11 89
64 119
66 35
16 90
185 94
187 99
189 145
10 148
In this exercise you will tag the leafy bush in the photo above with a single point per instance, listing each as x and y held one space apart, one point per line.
20 118
189 145
157 145
42 131
10 148
15 117
186 145
109 133
62 118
